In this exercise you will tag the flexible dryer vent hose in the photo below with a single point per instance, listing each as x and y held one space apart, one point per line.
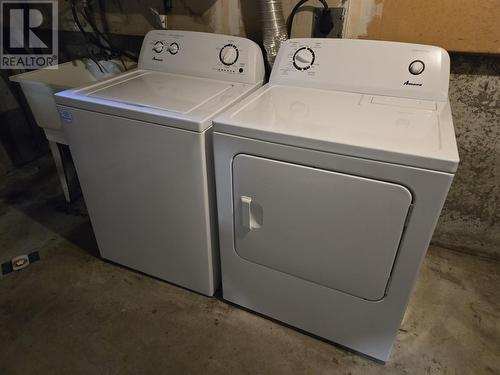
273 28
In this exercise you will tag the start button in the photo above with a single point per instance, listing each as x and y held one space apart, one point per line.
416 67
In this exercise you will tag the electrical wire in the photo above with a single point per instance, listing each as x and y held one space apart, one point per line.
104 18
96 62
87 36
87 14
94 39
78 24
295 9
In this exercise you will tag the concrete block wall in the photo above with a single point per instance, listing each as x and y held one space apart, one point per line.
470 220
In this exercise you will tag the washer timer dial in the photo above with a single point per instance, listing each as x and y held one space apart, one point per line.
228 54
303 58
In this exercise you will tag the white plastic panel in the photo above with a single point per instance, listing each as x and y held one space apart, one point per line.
39 86
364 326
397 130
148 196
404 103
70 74
365 66
163 91
200 54
342 118
333 229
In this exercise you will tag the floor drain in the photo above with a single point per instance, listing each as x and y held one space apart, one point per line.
19 262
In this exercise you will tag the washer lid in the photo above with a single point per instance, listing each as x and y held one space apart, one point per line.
168 92
175 100
397 130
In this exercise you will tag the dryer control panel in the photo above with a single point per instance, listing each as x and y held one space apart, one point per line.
202 54
364 66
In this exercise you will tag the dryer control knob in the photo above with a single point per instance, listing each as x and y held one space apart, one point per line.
303 58
416 67
228 54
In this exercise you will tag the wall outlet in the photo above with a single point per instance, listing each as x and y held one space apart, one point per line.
337 15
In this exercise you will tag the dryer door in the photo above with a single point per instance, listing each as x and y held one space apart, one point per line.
333 229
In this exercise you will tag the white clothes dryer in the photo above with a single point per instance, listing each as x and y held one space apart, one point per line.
330 180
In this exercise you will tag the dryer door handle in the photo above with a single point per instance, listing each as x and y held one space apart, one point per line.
248 220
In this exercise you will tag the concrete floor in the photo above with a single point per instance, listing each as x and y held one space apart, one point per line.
72 313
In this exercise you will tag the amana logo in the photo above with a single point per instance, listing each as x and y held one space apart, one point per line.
408 83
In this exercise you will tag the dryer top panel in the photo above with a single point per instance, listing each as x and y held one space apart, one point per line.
364 66
403 131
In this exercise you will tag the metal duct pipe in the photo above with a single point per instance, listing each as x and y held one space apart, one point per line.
273 28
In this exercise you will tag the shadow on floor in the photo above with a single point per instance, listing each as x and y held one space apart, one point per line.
35 191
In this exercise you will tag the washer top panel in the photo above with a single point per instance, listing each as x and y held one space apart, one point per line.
184 78
176 100
168 92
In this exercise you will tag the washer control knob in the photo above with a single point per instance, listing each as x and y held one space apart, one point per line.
173 48
303 58
228 55
416 67
158 46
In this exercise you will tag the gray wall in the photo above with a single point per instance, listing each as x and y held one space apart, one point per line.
470 220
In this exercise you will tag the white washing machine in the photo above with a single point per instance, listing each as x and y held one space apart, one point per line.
330 180
142 146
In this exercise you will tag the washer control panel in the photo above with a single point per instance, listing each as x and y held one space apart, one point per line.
202 54
363 66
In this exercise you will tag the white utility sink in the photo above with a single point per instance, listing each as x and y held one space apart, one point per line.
40 85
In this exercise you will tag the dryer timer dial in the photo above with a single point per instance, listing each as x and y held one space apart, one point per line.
303 58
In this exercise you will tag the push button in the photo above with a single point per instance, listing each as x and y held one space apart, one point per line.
416 67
